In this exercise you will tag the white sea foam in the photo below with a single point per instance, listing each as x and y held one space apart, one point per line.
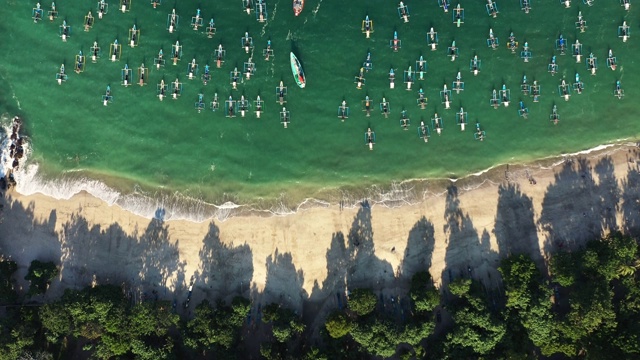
175 206
6 162
152 206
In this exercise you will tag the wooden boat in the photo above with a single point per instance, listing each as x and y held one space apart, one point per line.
296 69
298 5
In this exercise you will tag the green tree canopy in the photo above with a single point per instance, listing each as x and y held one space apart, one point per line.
424 295
476 330
362 301
8 293
338 324
40 275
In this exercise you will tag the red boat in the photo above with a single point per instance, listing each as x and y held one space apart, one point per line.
298 5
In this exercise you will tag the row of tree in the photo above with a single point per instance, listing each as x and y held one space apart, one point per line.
584 303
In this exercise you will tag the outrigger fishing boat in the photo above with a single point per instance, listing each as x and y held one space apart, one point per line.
296 69
298 5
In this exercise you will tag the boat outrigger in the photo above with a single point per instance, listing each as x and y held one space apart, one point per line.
281 93
296 69
370 138
461 118
61 75
367 26
479 134
424 132
298 5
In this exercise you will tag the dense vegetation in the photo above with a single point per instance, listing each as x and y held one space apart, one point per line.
585 305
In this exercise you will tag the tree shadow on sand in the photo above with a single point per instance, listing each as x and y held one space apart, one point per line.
419 250
337 268
224 269
90 254
576 208
159 257
284 283
515 228
365 268
47 247
631 197
467 254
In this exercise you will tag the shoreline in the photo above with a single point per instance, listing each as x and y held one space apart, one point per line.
172 205
307 255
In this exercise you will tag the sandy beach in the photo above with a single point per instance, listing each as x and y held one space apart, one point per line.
457 229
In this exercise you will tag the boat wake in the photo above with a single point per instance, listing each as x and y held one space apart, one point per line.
315 11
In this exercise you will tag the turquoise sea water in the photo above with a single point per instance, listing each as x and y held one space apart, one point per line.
138 142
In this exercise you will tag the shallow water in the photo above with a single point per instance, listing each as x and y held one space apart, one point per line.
139 144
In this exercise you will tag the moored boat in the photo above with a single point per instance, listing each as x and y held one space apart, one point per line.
296 69
298 5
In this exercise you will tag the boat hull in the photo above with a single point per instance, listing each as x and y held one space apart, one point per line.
296 70
298 5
